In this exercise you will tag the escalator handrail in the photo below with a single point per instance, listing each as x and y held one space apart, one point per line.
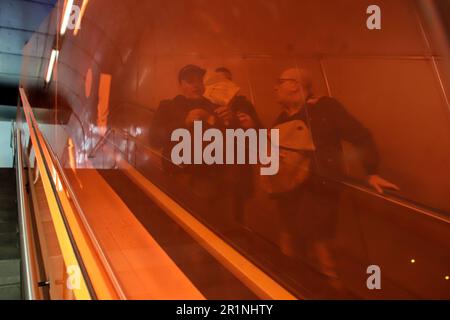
86 225
68 246
29 276
72 252
417 208
406 203
111 130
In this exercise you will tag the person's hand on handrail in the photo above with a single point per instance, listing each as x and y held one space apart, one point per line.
379 184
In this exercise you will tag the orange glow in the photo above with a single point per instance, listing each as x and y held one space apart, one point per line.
125 241
255 279
100 281
68 253
71 148
103 102
144 224
72 161
88 83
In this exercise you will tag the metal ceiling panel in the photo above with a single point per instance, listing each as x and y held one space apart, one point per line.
23 14
12 41
19 19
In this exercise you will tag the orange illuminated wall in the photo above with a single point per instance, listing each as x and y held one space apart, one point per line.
386 78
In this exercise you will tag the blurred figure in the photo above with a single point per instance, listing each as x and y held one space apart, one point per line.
224 187
238 178
181 112
243 110
309 210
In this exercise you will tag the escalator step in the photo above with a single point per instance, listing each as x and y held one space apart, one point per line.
8 192
9 239
9 272
8 227
10 292
10 288
8 204
8 174
9 252
8 216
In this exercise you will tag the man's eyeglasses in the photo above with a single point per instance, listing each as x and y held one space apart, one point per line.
290 80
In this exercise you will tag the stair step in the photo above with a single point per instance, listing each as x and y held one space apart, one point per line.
7 191
10 288
9 227
9 272
8 173
9 252
11 238
10 292
8 198
8 216
8 205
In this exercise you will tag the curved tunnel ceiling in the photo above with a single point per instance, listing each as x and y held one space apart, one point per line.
19 19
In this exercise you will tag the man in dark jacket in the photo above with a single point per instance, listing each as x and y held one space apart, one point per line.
330 125
310 211
209 185
181 111
195 183
190 106
240 177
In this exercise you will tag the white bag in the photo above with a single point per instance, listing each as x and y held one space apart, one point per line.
296 146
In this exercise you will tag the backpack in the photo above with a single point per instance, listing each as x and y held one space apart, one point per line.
295 149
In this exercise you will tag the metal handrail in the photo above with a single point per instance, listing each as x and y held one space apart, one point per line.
100 143
433 213
104 138
65 234
30 278
82 216
49 156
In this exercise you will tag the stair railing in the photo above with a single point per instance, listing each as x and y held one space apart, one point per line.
79 249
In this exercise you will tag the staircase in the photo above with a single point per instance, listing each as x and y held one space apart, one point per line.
10 287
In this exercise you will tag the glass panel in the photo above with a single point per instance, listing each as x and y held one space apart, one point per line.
357 112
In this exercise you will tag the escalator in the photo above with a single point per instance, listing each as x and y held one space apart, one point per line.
217 283
128 239
10 286
113 243
90 213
